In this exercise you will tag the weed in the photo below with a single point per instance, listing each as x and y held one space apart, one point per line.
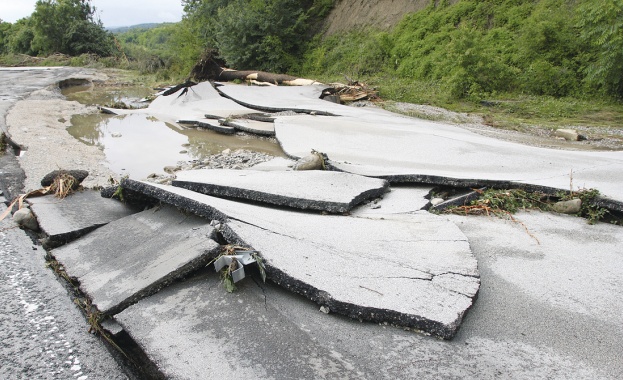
3 143
503 202
94 319
226 276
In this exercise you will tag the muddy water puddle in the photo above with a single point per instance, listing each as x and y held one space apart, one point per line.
138 144
90 95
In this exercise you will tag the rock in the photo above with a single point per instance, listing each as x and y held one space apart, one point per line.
25 218
115 134
171 169
312 162
572 206
79 175
226 152
567 134
324 309
436 201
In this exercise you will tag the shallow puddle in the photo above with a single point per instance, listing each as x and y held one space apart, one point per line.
90 95
138 145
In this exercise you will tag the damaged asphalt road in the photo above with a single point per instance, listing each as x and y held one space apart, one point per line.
388 278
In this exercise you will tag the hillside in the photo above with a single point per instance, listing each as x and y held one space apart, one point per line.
348 15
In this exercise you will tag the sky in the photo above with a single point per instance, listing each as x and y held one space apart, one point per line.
113 13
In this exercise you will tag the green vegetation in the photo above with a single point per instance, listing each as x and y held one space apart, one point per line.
57 26
505 202
550 62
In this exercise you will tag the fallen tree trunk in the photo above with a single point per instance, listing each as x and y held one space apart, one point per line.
210 67
227 75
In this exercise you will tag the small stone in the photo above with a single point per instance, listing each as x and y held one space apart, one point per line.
226 152
572 206
183 151
312 162
115 134
324 309
567 134
436 201
152 175
25 218
171 169
375 206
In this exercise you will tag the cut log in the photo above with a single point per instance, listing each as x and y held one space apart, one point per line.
210 67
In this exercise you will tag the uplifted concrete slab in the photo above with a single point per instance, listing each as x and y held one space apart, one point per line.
199 100
412 270
307 189
136 256
64 220
411 150
400 200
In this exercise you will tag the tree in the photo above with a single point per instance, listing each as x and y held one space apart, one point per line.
69 27
601 25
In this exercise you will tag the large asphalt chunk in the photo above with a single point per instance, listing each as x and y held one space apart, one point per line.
400 149
196 330
133 257
311 189
413 270
191 104
64 220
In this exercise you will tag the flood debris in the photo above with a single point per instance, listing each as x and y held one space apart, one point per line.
58 175
231 263
351 92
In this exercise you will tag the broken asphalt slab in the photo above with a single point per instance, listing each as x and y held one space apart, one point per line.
136 256
192 106
418 151
64 220
409 270
373 142
311 189
299 99
194 329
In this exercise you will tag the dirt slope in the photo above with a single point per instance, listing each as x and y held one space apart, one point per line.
357 14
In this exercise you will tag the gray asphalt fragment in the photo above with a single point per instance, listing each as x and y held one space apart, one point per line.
413 270
133 257
311 189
